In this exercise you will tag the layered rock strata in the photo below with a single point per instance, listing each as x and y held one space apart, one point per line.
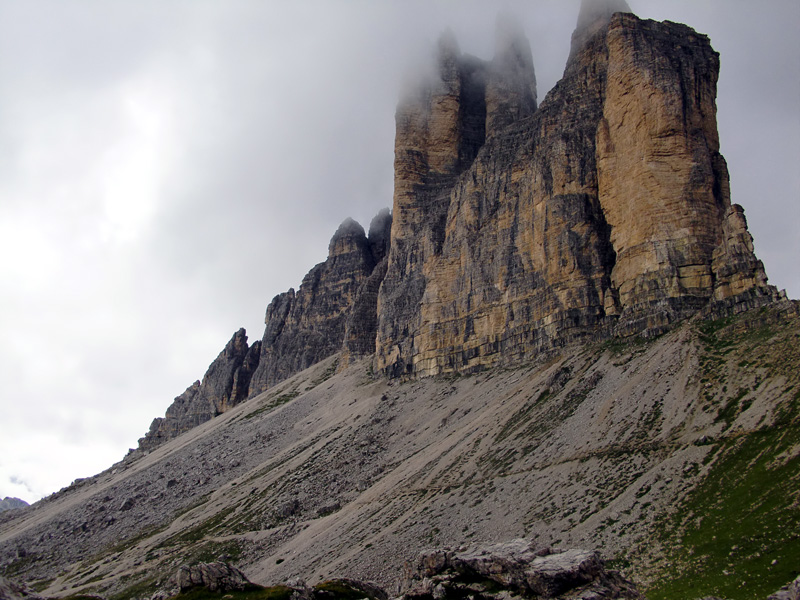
606 211
225 384
309 325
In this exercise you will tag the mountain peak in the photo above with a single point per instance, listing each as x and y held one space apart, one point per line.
349 236
593 16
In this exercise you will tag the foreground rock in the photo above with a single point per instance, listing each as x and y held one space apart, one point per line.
512 569
788 592
216 576
517 567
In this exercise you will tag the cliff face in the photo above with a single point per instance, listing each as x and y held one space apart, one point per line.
334 310
306 326
604 212
516 228
225 384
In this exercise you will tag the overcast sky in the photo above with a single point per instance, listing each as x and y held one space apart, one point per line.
167 167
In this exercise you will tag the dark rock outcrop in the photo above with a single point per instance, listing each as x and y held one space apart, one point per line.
334 309
309 325
517 567
225 384
9 503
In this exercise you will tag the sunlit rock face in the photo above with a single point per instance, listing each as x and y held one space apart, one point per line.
606 211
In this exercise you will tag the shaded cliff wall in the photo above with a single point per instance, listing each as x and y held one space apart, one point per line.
333 310
309 325
604 212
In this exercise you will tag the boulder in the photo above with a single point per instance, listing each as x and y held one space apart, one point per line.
518 567
216 576
790 591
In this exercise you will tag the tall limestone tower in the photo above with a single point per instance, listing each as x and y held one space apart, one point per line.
604 211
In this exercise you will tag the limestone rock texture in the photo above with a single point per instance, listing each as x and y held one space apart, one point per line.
790 591
603 212
335 309
225 384
309 325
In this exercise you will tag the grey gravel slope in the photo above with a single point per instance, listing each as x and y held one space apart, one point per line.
343 474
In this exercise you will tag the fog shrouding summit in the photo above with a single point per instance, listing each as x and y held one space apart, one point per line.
167 169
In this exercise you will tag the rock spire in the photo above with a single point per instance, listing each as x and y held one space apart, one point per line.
593 17
604 212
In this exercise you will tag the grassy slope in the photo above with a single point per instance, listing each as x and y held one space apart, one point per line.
737 535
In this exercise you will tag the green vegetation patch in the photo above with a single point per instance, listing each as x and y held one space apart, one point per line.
252 592
42 585
144 534
211 551
627 348
327 374
273 403
738 534
199 531
142 588
338 589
